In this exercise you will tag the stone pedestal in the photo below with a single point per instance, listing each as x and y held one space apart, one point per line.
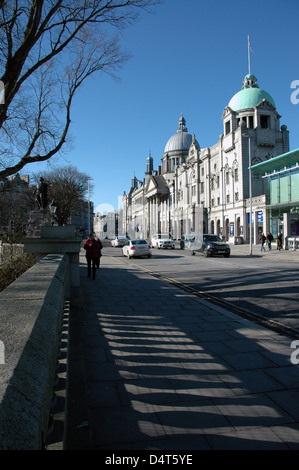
56 240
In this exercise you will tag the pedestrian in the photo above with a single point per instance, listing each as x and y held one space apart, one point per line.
270 239
99 250
279 241
91 248
263 239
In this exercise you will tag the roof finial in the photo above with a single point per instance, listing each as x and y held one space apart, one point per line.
182 124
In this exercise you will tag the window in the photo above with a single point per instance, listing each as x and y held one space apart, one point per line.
265 121
250 122
236 174
202 187
218 201
236 196
227 127
227 177
227 199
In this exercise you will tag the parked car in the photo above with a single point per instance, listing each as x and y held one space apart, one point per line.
137 248
208 245
162 240
119 241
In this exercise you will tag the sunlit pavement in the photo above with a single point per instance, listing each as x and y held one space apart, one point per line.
290 255
155 368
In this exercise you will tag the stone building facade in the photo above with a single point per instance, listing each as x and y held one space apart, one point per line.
209 190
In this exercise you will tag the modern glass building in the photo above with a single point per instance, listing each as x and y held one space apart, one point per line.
282 206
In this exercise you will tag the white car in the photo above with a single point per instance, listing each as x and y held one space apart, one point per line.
119 241
136 248
162 240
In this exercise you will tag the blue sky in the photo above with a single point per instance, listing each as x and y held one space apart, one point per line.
190 57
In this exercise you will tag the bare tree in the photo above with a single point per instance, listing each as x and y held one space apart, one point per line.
48 48
67 189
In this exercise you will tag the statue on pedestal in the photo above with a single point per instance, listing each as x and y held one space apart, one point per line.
41 196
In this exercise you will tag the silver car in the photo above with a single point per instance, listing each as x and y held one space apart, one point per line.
137 248
119 241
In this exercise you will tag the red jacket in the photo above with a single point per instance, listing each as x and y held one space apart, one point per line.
91 247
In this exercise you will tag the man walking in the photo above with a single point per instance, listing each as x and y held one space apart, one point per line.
263 239
269 238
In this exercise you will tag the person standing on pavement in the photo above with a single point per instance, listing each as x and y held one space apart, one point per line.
99 249
263 239
270 239
279 241
91 248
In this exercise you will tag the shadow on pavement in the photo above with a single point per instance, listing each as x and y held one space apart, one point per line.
152 368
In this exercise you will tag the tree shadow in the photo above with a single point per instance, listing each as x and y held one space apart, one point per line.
161 370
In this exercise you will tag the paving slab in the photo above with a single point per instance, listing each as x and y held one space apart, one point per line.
162 369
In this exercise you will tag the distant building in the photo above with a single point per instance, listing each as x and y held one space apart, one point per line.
106 225
200 190
16 204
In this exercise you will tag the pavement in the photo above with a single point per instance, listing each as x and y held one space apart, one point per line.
155 368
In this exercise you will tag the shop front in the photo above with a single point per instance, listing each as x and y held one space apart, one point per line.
283 194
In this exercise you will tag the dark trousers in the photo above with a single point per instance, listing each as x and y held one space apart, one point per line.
91 262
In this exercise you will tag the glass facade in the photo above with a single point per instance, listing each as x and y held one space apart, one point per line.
284 197
284 188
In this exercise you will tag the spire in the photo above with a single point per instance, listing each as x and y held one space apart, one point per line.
134 184
149 164
182 124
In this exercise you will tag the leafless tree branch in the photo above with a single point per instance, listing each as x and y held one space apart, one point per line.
33 34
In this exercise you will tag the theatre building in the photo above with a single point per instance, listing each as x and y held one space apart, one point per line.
209 190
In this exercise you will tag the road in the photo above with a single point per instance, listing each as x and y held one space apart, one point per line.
265 286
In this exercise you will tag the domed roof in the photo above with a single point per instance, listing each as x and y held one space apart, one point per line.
181 140
250 95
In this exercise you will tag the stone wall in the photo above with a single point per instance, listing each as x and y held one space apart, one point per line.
31 311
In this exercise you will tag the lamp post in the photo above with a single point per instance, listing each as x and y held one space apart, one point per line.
250 194
88 205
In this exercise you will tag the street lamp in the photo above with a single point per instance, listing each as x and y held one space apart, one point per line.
250 194
88 205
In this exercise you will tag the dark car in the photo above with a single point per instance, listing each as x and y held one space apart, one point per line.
208 245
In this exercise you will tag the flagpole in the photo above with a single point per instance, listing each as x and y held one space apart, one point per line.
248 54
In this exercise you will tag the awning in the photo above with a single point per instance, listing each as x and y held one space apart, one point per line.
285 160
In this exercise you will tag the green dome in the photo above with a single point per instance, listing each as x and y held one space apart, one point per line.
250 95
